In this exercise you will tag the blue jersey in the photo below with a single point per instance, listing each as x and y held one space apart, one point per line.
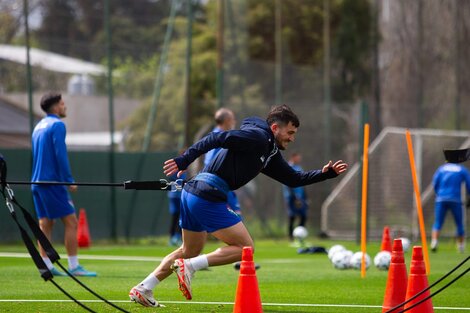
212 153
297 192
447 182
50 161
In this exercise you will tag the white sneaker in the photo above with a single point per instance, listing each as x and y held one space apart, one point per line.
180 267
143 296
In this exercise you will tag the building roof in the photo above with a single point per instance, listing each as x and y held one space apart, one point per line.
50 61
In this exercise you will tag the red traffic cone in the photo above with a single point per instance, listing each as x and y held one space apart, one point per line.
418 281
386 242
83 233
247 298
395 290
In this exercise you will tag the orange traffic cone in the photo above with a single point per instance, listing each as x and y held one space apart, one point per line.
247 298
386 242
417 282
83 233
395 290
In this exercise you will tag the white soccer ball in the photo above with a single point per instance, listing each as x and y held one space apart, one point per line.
356 260
341 259
405 242
300 232
382 260
335 249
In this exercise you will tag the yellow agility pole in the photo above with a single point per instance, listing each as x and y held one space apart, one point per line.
365 171
419 208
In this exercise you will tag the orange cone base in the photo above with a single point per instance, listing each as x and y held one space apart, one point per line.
247 299
397 280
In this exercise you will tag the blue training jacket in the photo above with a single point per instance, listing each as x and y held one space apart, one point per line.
245 153
50 161
447 182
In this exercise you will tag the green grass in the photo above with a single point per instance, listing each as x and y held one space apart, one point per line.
285 277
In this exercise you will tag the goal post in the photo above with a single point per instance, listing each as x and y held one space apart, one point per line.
390 188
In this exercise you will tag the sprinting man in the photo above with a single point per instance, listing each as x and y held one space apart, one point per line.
447 182
295 199
50 163
246 152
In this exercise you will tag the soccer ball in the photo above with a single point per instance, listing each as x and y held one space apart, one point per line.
341 259
405 242
300 232
356 260
382 260
334 249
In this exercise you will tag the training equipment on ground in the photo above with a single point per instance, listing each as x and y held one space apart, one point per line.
247 298
405 243
300 232
382 260
386 241
356 260
397 279
418 281
83 232
335 249
342 259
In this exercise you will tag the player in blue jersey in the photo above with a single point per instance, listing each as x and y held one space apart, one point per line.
224 120
253 149
447 182
295 199
50 163
174 202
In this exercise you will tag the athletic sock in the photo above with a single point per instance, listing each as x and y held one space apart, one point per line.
198 263
150 282
73 261
48 262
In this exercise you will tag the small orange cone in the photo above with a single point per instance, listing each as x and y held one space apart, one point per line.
247 298
83 233
418 281
386 242
395 291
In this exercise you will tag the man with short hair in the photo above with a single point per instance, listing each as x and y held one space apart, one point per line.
50 163
246 152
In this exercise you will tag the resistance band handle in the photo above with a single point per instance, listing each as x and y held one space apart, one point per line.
146 185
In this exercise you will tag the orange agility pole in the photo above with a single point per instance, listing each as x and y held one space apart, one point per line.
365 171
419 208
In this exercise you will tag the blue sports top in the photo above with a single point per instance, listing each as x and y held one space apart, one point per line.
447 182
245 153
298 192
212 153
50 161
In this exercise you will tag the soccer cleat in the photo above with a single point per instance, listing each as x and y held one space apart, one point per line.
80 271
143 296
56 272
434 246
184 277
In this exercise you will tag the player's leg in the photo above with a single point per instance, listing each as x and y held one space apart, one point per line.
46 225
439 217
70 234
236 237
457 212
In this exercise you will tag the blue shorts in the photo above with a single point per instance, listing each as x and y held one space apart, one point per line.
198 214
440 211
52 202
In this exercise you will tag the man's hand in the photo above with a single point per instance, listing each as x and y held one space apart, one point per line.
73 188
170 167
339 167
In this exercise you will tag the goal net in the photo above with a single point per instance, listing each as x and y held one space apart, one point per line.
391 200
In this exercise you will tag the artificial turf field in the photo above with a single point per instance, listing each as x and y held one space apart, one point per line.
288 282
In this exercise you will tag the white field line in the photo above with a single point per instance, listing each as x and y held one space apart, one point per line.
231 303
136 258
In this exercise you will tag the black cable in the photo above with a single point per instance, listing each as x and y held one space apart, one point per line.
58 183
91 291
429 287
71 297
435 293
